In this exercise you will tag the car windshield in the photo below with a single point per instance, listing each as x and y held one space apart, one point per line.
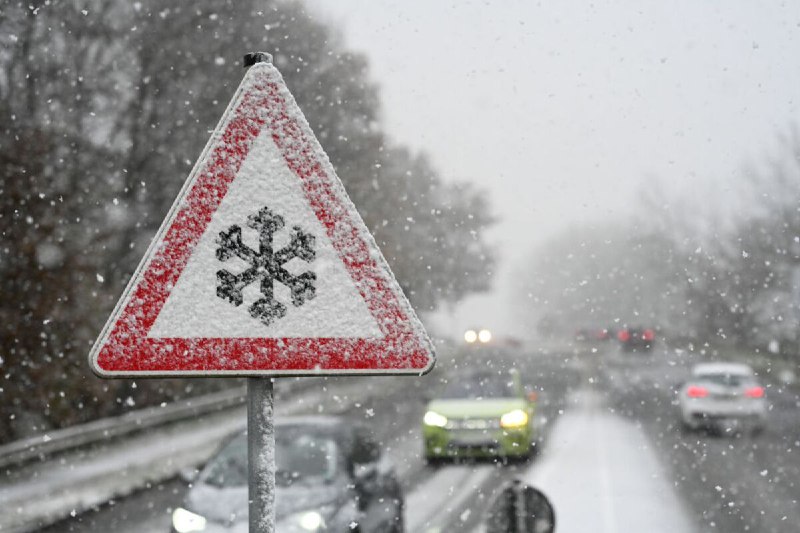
229 467
300 457
478 387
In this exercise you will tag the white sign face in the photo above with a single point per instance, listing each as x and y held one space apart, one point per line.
263 266
194 310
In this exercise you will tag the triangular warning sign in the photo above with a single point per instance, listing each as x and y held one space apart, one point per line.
262 266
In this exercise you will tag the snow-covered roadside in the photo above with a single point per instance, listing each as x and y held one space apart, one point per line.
602 474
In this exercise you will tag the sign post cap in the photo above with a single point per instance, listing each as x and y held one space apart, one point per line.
256 57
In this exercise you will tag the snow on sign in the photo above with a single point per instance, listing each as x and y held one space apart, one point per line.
262 266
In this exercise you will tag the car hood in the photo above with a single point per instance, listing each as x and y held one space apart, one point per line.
228 505
485 408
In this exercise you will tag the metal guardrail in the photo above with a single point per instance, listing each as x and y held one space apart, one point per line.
49 443
52 442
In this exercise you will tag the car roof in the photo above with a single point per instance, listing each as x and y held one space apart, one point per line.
739 369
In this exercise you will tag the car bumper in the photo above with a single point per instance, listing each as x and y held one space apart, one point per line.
705 413
641 346
442 443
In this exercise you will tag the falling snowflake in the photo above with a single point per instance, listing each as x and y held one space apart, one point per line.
266 266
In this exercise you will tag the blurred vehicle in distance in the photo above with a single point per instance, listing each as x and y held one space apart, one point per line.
593 334
473 336
602 334
480 414
722 397
582 335
636 339
330 476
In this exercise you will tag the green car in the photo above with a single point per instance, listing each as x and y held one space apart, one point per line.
480 415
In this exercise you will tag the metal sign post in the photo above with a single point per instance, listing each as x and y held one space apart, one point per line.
261 455
260 429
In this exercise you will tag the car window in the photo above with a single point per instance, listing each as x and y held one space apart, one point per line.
229 467
729 380
300 456
305 457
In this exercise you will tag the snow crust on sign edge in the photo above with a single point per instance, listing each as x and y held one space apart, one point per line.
295 113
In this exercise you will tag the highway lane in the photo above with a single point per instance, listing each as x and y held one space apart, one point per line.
730 483
448 498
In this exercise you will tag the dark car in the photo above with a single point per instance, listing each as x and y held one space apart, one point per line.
636 339
330 476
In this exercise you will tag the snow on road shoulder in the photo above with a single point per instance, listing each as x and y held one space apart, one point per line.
601 474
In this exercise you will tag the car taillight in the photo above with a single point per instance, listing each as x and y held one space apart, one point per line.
754 392
624 335
648 335
694 391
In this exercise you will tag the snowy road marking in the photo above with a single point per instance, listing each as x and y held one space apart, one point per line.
604 470
599 467
431 502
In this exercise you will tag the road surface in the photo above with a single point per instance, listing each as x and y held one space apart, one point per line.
613 458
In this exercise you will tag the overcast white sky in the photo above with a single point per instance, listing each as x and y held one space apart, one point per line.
563 110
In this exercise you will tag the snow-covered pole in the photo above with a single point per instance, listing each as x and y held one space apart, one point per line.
261 455
260 426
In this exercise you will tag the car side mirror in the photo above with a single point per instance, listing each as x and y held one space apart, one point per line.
364 457
363 472
520 508
189 474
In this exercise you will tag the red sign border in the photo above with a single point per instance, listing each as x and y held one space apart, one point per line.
124 349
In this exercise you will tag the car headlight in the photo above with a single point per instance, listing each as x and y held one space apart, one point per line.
303 522
514 419
186 521
432 418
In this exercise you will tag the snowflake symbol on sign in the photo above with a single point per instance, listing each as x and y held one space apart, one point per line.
266 265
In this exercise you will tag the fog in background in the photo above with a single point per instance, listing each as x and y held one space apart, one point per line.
569 113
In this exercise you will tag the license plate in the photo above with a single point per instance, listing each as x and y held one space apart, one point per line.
472 438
